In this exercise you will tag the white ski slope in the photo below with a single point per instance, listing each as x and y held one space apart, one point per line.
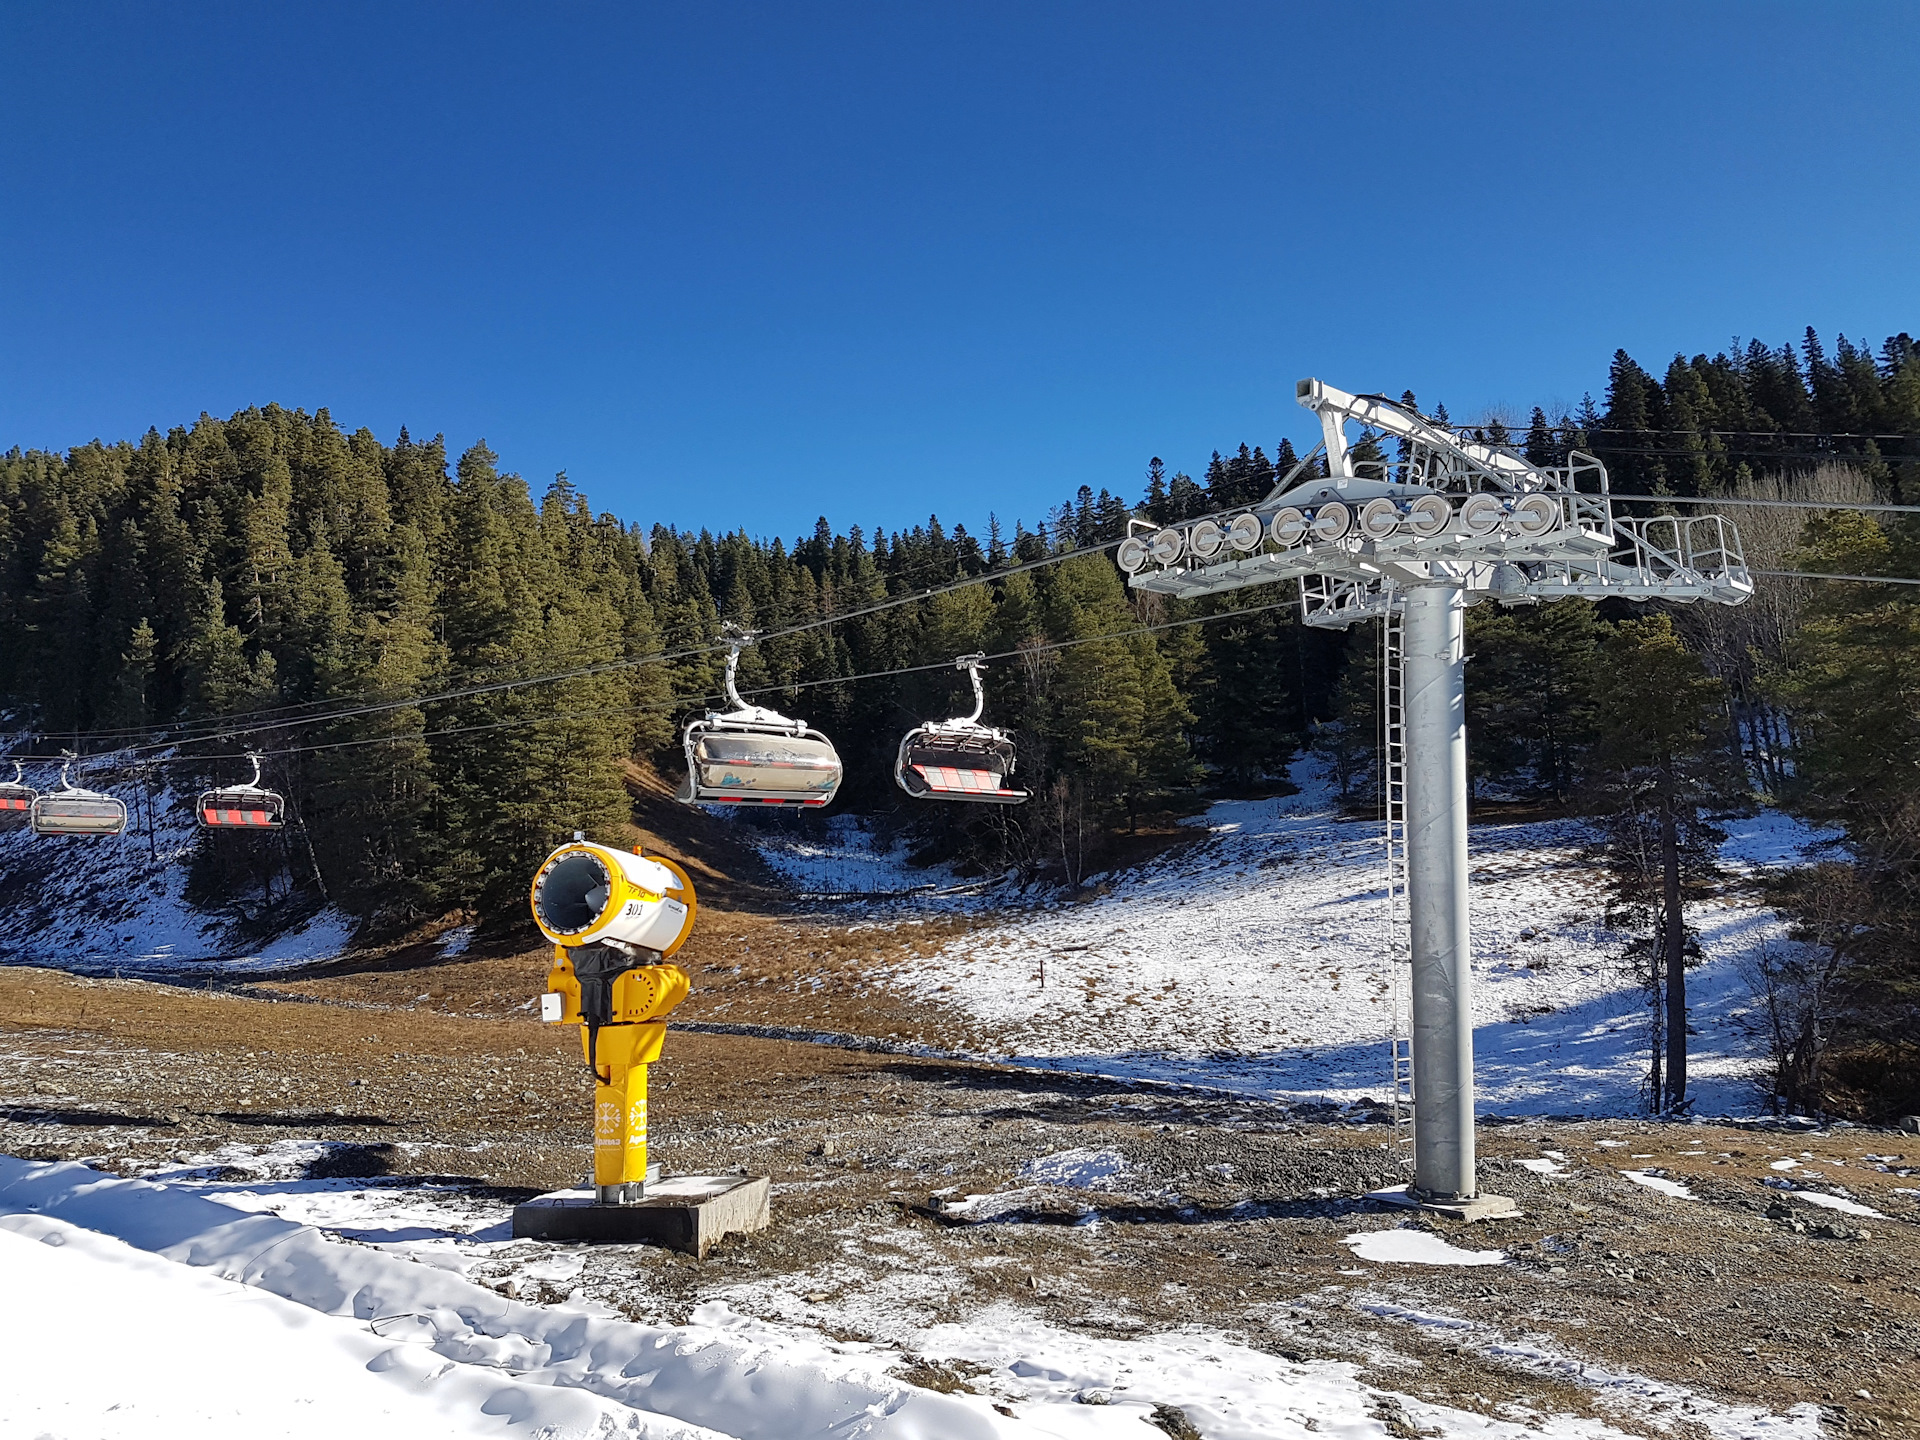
1255 962
140 1309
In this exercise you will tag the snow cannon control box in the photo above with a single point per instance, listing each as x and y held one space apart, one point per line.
616 918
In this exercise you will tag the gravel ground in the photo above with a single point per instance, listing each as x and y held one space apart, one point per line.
912 1190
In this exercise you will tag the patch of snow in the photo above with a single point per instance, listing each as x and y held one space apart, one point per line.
1416 1247
468 1360
1659 1182
698 1378
117 905
1836 1202
840 855
1652 1402
400 1214
1544 1165
104 1339
1774 840
456 941
1254 962
1006 1205
1229 1390
1080 1169
1783 1165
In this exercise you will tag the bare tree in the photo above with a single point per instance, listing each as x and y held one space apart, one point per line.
1803 990
1748 647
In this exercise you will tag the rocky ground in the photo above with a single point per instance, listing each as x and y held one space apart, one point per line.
911 1190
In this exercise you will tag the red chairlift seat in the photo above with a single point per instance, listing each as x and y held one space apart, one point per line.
959 759
242 807
16 801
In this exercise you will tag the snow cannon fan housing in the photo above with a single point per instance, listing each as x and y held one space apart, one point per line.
587 894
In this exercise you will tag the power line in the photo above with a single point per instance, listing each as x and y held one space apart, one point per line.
1045 647
1573 429
1769 504
1734 451
222 725
109 762
1820 575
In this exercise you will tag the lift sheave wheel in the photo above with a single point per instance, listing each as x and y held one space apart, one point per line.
959 759
750 755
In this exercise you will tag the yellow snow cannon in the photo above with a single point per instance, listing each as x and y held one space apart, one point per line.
615 917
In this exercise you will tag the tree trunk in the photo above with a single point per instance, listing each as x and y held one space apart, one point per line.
1673 942
1656 1084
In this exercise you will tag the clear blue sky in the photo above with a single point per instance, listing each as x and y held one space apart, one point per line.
744 264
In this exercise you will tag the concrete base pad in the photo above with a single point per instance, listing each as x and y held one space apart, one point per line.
688 1213
1481 1207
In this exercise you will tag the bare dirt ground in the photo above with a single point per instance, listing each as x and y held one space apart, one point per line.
1230 1214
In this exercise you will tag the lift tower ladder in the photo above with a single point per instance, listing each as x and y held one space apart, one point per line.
1393 787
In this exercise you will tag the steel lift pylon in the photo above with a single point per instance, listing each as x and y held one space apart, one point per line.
1413 541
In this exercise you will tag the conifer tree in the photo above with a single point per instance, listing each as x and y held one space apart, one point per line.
1658 775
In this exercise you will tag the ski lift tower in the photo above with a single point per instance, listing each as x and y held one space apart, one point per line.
1413 541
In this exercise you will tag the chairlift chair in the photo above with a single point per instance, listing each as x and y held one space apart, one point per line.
750 755
959 759
242 807
71 810
16 800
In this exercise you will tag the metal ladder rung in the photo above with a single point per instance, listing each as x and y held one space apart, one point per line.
1393 784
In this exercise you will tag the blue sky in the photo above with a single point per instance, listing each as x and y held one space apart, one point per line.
743 265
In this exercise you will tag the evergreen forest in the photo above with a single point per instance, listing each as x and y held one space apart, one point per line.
353 607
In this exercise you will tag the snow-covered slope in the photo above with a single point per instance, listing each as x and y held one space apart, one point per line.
117 903
841 856
1256 961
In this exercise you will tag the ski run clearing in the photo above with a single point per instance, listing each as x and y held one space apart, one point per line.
192 1302
1254 961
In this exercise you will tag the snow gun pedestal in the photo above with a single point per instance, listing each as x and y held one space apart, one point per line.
688 1213
1480 1207
615 923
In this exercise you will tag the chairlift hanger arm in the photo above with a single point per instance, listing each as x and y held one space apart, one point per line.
973 665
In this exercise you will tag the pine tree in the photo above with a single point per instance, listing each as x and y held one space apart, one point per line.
1659 771
1855 688
1531 696
1155 503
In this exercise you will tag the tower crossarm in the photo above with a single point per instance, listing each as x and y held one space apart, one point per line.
1443 510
